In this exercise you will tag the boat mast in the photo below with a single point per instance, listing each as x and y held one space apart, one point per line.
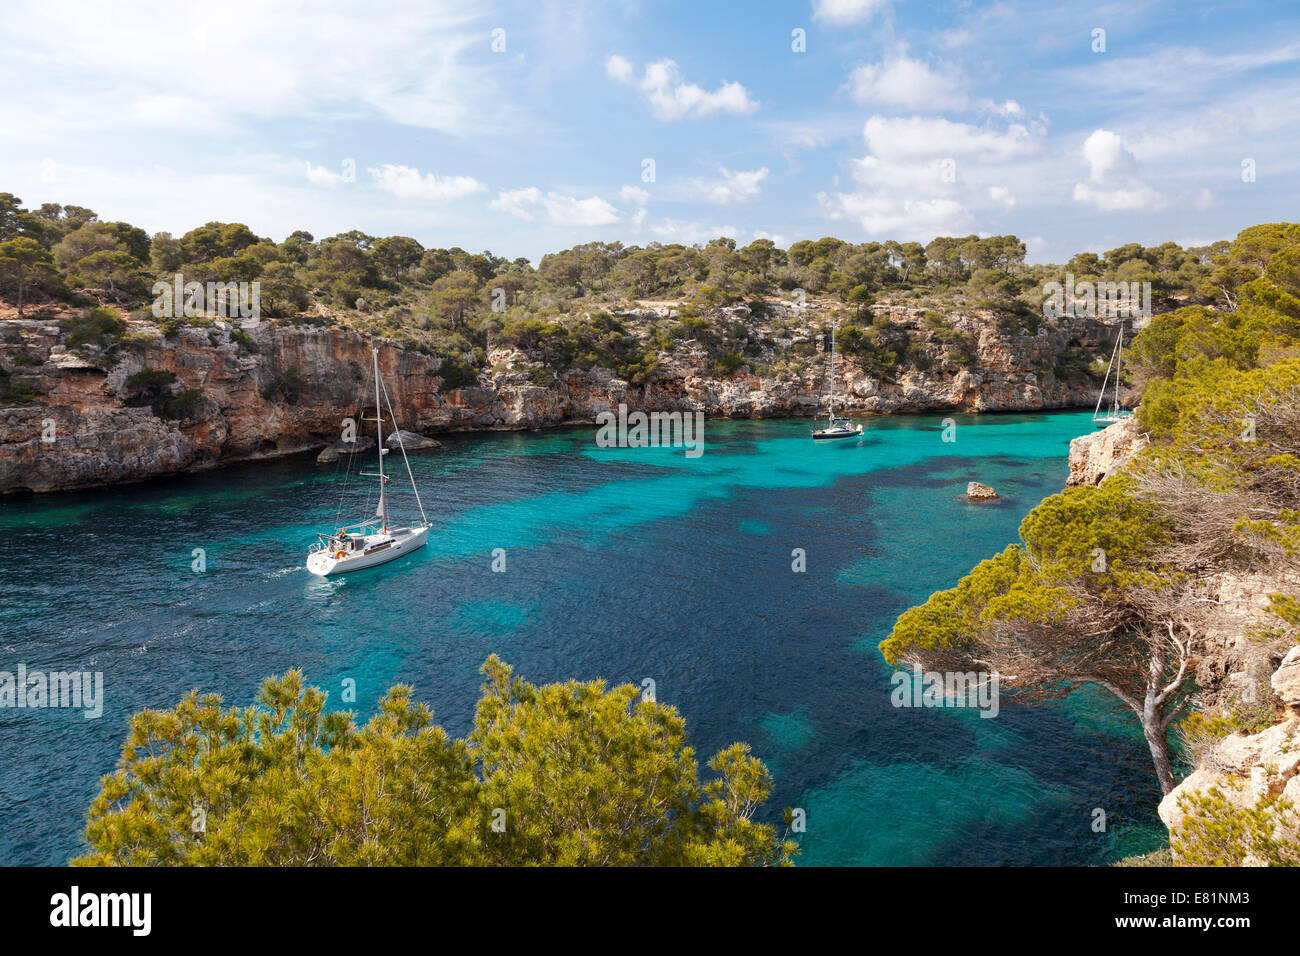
1119 364
1110 366
379 431
832 393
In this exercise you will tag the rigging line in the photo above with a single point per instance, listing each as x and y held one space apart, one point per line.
347 473
1109 365
820 386
402 445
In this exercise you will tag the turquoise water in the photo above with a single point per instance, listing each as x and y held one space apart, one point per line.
622 564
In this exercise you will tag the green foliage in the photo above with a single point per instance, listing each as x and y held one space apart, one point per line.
1161 857
1287 607
149 379
243 339
882 346
729 363
562 774
286 386
1215 832
25 264
457 373
99 326
15 391
184 404
1041 578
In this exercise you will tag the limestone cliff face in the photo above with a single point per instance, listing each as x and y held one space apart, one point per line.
287 388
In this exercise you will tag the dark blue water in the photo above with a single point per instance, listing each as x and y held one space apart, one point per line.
620 564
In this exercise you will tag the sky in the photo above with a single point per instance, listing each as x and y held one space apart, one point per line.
529 127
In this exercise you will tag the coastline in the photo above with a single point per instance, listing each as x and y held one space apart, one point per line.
287 389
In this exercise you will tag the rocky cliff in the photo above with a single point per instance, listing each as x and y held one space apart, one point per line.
1095 457
1244 663
152 404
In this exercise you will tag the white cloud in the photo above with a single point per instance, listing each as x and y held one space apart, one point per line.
520 203
619 68
1113 184
730 187
1009 109
406 182
634 195
1177 71
688 232
559 209
1002 196
846 11
902 218
922 137
926 176
913 84
672 98
569 211
408 65
322 176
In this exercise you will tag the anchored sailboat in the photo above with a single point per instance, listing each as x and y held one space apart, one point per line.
836 428
371 541
1115 412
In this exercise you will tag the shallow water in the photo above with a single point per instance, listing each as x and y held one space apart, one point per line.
622 564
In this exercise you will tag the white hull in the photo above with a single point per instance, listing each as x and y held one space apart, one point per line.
325 563
837 434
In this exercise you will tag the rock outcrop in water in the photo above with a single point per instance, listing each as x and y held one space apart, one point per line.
1095 457
285 388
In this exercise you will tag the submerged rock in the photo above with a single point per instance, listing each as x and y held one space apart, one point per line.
978 491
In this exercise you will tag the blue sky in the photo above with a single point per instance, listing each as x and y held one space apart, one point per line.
526 127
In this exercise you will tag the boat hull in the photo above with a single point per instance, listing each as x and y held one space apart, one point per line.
1107 420
836 436
324 564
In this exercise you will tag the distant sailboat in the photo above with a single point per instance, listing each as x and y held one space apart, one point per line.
836 428
371 541
1115 412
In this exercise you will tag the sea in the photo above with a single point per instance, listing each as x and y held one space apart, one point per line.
748 586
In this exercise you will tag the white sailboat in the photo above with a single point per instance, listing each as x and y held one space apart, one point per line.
371 541
1115 412
836 428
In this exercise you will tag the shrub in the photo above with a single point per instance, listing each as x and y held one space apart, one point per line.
728 363
98 326
242 338
185 404
457 373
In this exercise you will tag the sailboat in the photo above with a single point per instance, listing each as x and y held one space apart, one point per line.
836 428
1115 412
371 541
